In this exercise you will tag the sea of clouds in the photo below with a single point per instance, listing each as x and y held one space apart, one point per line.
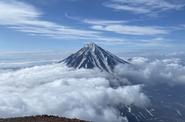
169 71
86 94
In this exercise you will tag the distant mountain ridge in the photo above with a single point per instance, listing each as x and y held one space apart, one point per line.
92 56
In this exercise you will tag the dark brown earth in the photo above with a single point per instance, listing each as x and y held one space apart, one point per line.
43 118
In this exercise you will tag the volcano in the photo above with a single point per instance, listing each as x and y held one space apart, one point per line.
93 56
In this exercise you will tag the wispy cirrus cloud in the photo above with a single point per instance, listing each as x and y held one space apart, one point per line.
126 41
26 18
149 7
122 27
131 29
103 22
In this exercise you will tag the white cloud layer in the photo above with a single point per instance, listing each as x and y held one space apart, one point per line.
166 71
86 94
56 89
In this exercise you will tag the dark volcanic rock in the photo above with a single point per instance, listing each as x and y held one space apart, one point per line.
43 118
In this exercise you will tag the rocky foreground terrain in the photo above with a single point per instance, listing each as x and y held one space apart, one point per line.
43 118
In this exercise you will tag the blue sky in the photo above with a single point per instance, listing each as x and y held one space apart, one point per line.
118 25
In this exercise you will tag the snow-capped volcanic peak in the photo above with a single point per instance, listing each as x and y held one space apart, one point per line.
91 56
91 46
